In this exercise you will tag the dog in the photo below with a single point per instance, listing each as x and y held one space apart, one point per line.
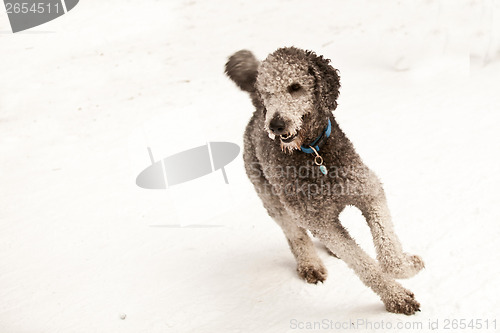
306 171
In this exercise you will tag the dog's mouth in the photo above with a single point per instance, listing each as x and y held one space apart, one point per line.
288 137
289 141
284 138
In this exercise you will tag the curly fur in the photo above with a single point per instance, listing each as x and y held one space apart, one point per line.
302 88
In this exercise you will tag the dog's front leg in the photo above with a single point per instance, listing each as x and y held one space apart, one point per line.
389 250
309 265
396 298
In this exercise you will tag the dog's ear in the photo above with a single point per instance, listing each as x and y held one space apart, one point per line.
242 69
327 80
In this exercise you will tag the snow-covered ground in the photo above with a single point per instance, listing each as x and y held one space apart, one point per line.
83 96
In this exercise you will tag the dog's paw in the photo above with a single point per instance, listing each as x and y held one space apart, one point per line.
312 272
403 302
405 267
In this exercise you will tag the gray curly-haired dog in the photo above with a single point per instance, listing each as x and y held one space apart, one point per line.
306 171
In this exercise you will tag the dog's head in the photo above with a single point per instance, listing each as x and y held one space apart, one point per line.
296 88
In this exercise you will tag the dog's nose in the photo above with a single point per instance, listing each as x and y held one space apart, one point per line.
277 125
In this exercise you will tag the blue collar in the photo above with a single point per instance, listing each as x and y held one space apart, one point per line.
319 140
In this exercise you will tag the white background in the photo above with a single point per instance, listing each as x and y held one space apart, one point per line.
80 243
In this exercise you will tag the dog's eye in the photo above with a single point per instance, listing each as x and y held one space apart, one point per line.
294 87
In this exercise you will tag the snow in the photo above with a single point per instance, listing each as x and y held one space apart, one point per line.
83 249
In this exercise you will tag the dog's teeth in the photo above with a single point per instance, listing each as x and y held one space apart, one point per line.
272 136
286 136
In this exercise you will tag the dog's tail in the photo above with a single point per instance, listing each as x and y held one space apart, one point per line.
242 69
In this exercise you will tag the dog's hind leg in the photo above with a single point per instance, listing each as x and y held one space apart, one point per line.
395 297
388 247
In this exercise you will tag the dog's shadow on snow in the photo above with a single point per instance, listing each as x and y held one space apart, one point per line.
262 280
